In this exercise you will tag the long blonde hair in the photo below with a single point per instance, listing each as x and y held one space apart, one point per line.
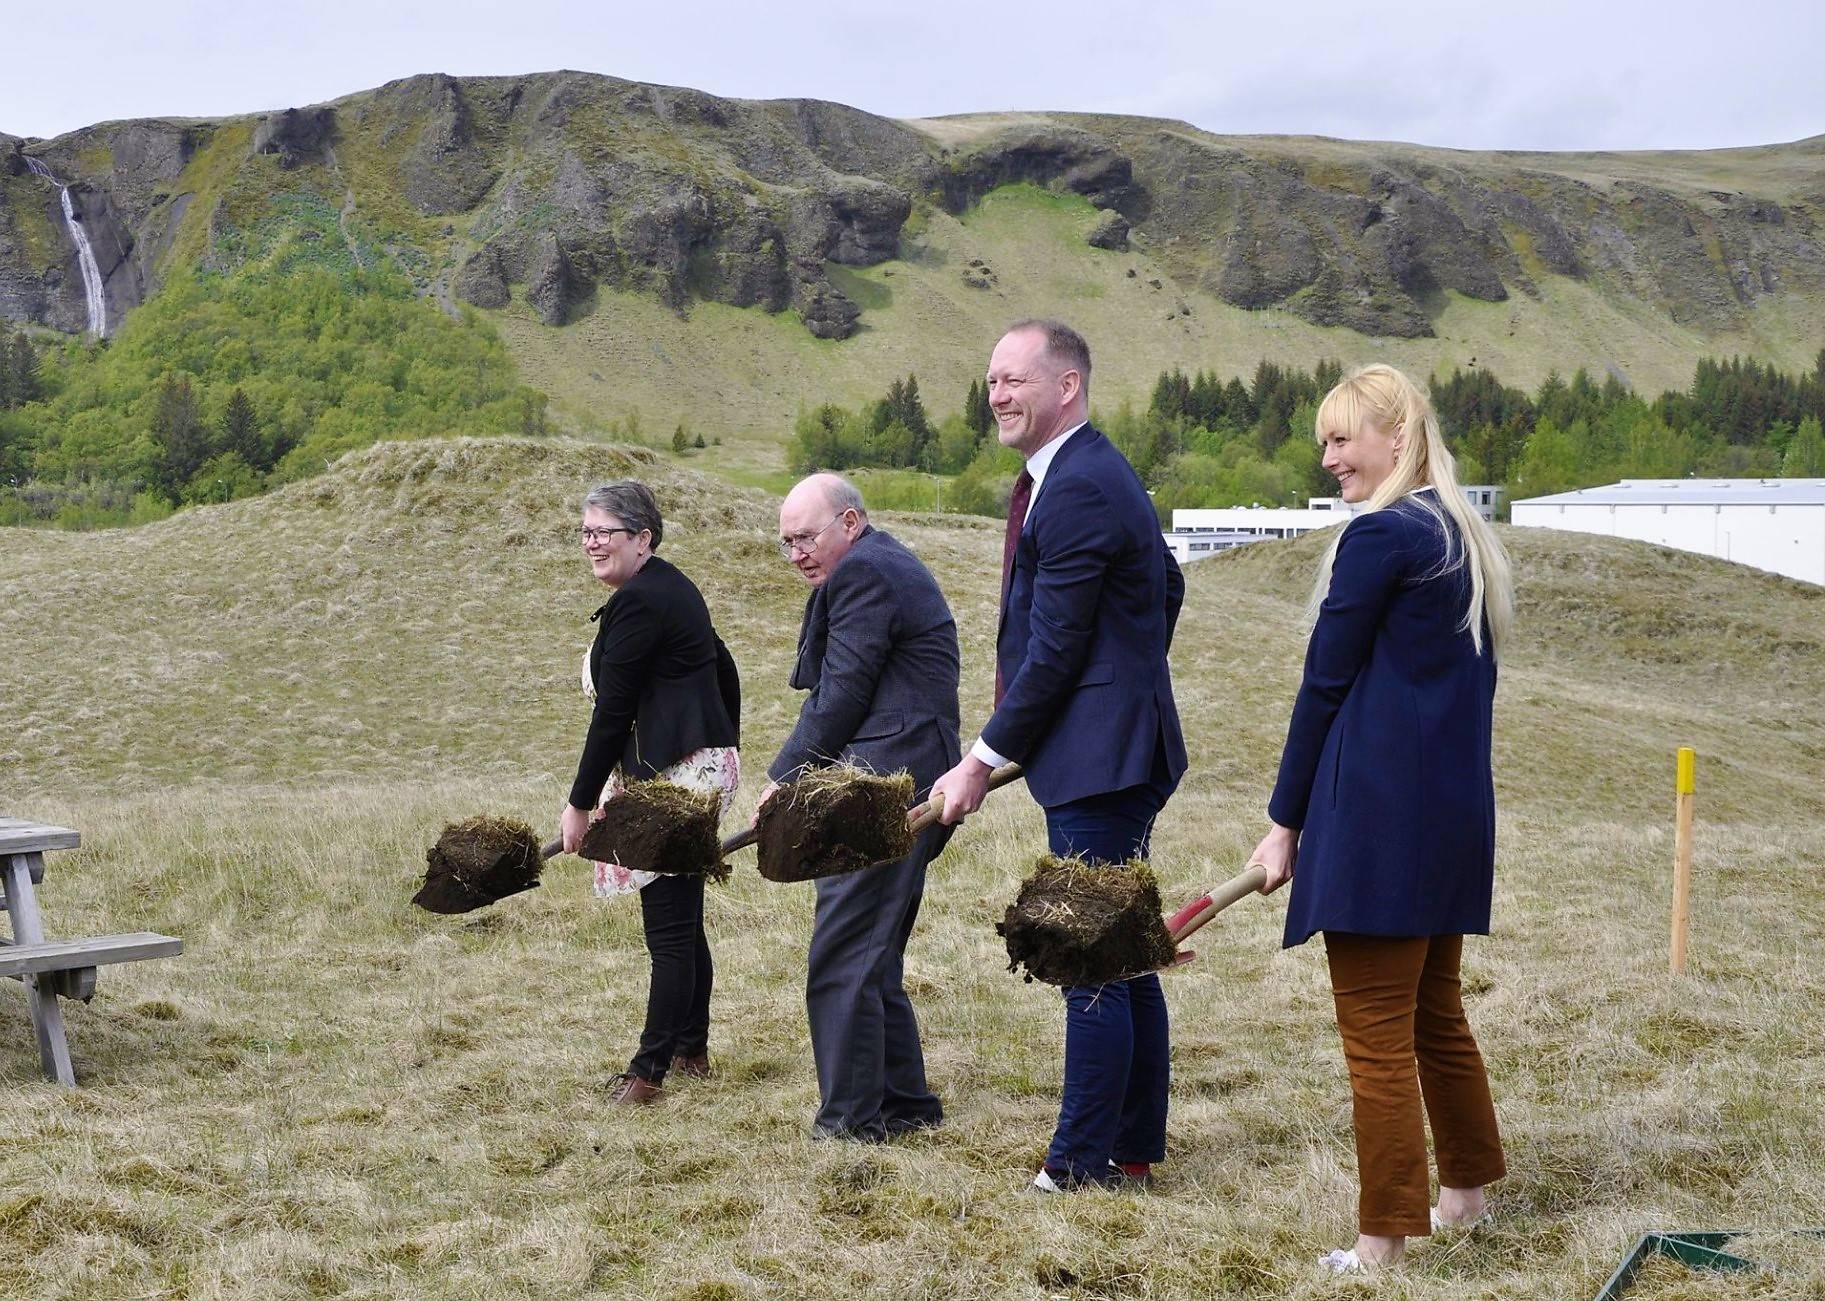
1382 396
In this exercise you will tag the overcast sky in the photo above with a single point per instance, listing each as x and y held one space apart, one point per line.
1540 74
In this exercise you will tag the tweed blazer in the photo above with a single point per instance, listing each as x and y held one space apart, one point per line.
877 653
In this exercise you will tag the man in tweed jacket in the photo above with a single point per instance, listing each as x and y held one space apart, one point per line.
877 653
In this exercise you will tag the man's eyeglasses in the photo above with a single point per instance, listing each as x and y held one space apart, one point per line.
591 536
806 543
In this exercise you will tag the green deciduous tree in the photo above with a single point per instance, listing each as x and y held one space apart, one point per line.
1806 452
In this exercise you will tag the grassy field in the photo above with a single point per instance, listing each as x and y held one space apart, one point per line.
260 714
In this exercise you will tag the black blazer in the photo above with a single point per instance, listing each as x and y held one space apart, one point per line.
665 683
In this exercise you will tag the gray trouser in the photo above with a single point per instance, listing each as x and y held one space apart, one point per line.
870 1071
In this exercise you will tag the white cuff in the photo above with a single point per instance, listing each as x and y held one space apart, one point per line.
981 751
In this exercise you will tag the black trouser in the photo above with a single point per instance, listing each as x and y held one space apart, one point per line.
678 999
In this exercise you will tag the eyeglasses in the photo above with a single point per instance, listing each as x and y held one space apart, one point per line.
589 535
806 543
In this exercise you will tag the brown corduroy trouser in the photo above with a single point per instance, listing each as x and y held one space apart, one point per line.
1401 1013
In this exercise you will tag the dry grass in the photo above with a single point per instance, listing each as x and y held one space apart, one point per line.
261 714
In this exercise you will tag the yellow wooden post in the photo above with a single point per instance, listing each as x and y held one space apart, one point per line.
1685 783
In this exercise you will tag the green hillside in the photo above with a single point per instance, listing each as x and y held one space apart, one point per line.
260 713
655 255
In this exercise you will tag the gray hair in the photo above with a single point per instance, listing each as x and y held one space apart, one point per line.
1062 343
844 495
631 502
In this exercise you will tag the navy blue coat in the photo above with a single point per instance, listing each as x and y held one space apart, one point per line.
1386 767
1084 633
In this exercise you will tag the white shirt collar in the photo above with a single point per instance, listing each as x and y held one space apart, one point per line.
1040 461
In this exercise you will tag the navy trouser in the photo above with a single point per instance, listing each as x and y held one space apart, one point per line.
1117 1046
678 999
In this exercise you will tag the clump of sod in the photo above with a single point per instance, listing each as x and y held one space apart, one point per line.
478 861
659 826
834 820
1078 923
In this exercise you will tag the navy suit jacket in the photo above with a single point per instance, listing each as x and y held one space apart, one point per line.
878 653
1084 634
1387 759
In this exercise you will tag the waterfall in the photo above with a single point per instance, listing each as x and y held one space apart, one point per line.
93 299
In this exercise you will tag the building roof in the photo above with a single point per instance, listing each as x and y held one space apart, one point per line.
1691 492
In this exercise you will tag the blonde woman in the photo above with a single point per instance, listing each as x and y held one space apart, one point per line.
1386 807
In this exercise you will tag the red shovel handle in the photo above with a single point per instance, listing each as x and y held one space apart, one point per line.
1190 918
1175 922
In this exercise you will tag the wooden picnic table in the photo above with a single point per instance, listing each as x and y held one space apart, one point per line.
53 969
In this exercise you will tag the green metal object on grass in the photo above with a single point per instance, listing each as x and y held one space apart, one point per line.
1695 1250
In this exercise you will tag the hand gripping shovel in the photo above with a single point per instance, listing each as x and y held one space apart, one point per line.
819 827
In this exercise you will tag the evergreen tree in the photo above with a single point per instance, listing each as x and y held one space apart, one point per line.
179 435
1237 405
22 367
240 430
698 441
679 440
1204 403
977 413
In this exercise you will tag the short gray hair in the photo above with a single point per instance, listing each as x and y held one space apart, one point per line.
631 502
844 495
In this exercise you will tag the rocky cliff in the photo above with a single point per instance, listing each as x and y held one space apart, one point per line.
560 183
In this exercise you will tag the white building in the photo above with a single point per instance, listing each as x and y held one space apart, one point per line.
1199 544
1257 522
1772 524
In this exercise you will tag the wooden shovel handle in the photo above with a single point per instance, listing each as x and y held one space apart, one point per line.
1190 918
924 815
552 849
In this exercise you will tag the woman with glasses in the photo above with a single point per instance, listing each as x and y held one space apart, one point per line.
668 705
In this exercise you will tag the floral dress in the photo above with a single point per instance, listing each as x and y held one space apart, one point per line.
715 769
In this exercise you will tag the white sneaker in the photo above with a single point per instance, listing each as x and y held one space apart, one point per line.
1442 1225
1340 1261
1043 1182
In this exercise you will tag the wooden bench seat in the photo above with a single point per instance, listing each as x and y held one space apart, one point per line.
96 951
54 969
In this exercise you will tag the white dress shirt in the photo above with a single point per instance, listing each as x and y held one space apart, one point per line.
1037 465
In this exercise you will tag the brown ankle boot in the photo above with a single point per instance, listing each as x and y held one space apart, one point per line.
694 1068
630 1090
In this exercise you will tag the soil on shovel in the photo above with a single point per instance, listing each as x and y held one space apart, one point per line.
1077 923
834 820
478 861
659 826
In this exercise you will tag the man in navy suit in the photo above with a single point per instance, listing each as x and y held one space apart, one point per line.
1083 700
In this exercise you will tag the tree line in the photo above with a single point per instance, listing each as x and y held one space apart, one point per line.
1204 440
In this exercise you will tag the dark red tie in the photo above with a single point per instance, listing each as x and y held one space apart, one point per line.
1017 516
